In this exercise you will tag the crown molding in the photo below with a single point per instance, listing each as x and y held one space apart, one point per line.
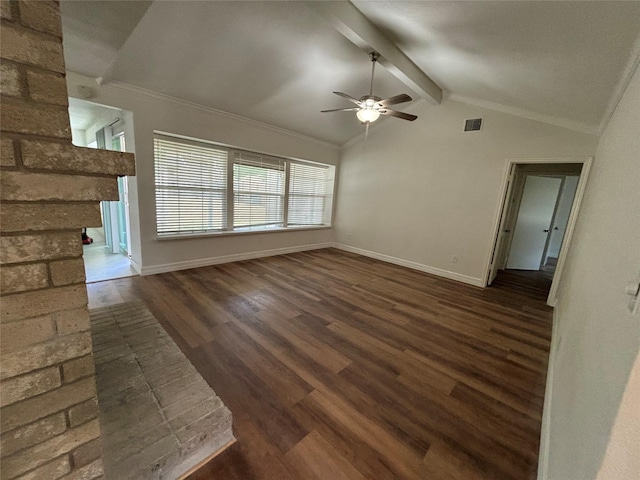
135 90
623 83
521 112
498 107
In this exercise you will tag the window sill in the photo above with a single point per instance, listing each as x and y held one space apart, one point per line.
239 232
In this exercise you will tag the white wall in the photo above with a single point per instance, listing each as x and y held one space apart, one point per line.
598 338
425 191
78 137
104 118
622 458
562 215
155 112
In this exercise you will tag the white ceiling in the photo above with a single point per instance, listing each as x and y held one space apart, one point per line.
83 114
278 62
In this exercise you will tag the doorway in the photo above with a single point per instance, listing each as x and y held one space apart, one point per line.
540 201
534 217
107 249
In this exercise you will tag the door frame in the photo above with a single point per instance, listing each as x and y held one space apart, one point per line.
510 165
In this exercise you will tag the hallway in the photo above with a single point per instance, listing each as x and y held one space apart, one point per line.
100 264
532 283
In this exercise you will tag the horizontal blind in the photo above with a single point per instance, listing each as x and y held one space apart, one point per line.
307 194
258 191
191 182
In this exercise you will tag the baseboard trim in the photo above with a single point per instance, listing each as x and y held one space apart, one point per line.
135 266
205 262
477 282
545 428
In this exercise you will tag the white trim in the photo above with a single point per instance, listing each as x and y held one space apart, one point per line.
568 233
521 112
413 265
545 430
135 266
497 107
135 90
204 262
230 233
623 83
582 183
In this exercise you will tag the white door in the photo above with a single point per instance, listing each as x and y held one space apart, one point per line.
502 239
535 215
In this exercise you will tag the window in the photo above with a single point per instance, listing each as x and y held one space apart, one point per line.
307 194
117 143
258 191
206 188
191 183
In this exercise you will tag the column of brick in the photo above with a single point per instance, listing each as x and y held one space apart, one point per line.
49 191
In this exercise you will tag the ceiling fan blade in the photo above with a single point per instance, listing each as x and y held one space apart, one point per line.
350 98
403 97
341 110
402 115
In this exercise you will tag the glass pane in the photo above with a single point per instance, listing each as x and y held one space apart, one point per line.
122 222
258 193
307 194
191 183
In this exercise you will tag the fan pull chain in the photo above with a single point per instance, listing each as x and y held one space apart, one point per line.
366 135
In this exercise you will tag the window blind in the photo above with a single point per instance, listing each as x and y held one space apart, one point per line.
203 187
191 184
307 194
258 191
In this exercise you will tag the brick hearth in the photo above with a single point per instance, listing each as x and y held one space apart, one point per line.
159 418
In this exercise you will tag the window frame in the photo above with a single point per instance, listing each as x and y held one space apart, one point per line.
229 229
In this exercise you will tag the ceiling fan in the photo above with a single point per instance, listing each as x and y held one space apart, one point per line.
369 107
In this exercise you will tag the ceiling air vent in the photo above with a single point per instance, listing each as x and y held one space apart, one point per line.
473 125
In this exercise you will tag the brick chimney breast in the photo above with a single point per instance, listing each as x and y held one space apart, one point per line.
50 190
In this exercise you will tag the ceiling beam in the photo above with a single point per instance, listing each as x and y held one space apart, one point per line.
357 28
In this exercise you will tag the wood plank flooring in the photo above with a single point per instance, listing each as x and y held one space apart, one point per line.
337 366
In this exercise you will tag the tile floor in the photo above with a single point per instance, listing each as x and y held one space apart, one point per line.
100 264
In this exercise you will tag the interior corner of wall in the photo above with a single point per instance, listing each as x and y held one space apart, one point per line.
545 431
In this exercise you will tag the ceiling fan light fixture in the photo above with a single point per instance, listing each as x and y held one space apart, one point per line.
369 107
367 115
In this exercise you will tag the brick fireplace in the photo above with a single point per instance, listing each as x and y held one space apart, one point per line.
50 190
155 417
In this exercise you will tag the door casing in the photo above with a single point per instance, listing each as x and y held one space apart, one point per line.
500 217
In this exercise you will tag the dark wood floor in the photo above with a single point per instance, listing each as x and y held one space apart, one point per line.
337 366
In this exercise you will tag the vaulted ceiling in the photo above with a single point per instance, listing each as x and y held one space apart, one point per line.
278 62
